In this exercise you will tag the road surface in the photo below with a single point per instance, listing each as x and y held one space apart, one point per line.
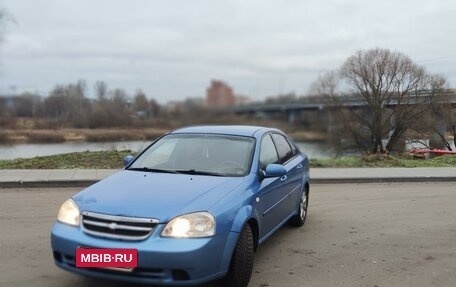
356 235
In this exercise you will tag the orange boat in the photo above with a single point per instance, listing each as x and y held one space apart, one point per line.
434 151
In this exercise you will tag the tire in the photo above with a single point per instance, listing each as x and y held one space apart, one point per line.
300 218
242 261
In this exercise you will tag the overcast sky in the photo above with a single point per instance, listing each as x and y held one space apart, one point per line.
172 49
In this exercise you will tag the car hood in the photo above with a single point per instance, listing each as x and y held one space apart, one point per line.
154 195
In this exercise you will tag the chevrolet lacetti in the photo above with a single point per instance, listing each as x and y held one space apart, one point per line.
193 206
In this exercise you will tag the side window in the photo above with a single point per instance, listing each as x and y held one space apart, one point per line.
283 148
294 149
268 153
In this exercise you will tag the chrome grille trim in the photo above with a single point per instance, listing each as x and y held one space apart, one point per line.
117 227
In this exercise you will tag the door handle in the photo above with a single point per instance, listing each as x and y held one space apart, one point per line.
283 178
299 166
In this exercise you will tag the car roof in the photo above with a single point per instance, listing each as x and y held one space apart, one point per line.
222 129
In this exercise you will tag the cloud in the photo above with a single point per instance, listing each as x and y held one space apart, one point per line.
171 49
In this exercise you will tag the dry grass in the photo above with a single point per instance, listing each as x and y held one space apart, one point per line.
4 139
43 136
104 135
129 134
34 136
11 136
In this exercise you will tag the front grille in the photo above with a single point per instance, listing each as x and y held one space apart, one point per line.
117 227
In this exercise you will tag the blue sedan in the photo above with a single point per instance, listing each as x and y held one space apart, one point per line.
195 205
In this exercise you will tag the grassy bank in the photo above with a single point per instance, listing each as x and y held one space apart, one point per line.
384 161
113 160
98 159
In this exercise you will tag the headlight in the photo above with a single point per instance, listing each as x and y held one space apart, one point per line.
198 224
69 213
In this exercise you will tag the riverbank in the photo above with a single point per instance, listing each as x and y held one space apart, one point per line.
10 136
20 136
113 160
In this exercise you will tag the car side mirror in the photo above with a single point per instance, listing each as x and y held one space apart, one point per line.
127 159
274 170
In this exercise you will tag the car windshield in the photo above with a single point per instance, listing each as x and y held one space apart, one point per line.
217 155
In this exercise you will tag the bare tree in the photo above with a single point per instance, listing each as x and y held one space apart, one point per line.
54 104
450 114
77 104
119 108
69 104
442 120
112 108
140 103
101 89
26 105
326 85
154 107
393 92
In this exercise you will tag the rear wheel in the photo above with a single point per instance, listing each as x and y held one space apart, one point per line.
242 261
300 218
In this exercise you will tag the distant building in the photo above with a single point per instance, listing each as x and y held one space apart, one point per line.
219 94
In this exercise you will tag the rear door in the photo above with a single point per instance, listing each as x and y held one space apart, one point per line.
291 159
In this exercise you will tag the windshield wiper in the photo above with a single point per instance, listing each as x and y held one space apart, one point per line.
177 171
153 170
198 172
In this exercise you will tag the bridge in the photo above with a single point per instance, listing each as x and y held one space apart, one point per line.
292 110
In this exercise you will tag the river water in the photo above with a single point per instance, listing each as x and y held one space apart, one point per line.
313 150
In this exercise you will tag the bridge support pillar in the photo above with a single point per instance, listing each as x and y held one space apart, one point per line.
293 116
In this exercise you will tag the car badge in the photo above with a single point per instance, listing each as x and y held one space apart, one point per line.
112 225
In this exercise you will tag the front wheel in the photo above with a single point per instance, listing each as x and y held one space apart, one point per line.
242 261
300 218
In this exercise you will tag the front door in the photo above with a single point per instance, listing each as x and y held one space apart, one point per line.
273 193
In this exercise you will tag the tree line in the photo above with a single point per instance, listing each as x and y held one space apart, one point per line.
401 101
68 105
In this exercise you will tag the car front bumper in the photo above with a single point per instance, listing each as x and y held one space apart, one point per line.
165 261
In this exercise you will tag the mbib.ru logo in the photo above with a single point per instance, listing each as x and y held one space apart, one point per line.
117 258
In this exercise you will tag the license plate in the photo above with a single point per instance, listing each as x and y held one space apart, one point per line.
114 259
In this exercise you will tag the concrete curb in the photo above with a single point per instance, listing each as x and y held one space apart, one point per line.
86 183
44 183
381 180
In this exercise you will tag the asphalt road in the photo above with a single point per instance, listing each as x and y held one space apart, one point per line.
356 235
